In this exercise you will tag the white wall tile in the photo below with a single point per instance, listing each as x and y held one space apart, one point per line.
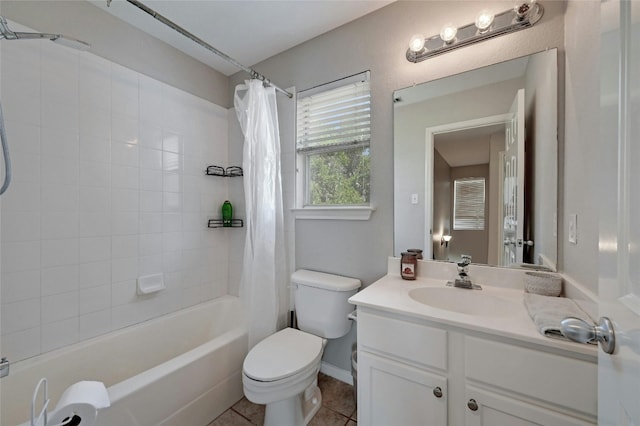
20 315
95 174
150 180
123 292
58 307
125 223
171 182
150 265
20 256
22 285
150 201
150 158
94 249
59 252
95 274
171 222
150 244
124 246
95 224
108 185
124 269
22 344
150 135
96 148
150 222
23 226
27 134
93 299
59 334
23 197
57 225
94 324
60 279
125 177
124 129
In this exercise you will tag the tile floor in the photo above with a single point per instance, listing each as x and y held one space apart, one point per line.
338 408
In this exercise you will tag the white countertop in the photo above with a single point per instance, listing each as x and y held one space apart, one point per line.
391 294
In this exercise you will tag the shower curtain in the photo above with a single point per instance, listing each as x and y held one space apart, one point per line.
263 265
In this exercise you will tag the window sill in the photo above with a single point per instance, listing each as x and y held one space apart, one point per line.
334 213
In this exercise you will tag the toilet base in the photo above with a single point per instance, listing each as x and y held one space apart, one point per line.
295 411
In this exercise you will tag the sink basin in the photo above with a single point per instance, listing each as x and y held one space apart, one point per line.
470 302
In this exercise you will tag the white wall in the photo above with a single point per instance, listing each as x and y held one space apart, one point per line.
540 90
378 42
108 186
580 157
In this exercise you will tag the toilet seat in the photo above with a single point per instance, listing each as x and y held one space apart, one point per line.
283 354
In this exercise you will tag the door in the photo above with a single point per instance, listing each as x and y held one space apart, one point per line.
392 393
513 184
619 239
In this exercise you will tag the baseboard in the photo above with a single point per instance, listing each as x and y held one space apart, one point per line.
336 372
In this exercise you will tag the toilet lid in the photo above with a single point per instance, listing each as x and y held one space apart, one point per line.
282 354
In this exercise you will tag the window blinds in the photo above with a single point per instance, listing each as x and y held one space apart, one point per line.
468 207
335 119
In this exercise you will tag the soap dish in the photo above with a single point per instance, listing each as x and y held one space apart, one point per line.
543 283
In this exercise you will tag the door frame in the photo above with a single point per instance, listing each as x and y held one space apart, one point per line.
430 134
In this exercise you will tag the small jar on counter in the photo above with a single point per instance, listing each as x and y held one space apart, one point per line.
408 265
418 253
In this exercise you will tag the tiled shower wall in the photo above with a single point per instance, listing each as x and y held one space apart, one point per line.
108 186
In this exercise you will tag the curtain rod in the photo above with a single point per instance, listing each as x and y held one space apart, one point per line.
176 27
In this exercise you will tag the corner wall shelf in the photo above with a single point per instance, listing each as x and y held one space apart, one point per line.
231 171
218 223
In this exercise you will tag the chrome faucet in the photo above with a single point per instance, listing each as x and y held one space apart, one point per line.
463 280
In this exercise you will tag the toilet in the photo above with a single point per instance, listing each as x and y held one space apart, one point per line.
281 371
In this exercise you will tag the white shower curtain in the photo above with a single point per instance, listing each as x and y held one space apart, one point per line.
263 266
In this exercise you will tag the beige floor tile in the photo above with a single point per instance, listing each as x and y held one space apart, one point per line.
253 412
230 418
336 395
326 417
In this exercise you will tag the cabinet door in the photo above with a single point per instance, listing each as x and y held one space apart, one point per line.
492 410
391 393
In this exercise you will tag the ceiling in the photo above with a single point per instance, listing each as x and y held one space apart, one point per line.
468 147
249 31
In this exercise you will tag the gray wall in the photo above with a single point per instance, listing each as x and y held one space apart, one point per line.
123 44
378 42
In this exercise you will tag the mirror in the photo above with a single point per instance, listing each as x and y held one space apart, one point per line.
476 165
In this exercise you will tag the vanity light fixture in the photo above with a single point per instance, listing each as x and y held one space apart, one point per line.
487 25
444 241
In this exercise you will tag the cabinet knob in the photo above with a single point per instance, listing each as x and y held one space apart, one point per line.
473 405
437 391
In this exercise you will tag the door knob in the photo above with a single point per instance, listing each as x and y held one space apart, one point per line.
582 332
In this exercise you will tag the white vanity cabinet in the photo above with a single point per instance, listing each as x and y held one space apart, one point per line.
417 372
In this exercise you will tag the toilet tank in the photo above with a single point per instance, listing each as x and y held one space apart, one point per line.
321 302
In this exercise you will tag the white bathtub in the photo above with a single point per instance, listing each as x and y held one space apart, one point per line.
182 369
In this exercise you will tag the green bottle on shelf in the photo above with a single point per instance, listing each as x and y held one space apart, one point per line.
227 213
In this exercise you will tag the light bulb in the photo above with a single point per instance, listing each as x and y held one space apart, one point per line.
416 44
448 33
484 20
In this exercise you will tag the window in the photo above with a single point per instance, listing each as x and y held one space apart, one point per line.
333 134
468 204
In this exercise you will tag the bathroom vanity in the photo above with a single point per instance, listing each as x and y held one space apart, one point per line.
429 354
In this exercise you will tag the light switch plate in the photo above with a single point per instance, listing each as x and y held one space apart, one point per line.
573 228
414 198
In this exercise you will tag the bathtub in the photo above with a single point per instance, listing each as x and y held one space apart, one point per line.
181 369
